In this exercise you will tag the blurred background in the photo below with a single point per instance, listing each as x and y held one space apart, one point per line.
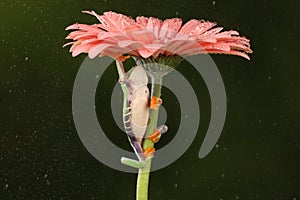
257 155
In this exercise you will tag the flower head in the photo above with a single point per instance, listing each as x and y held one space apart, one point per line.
146 37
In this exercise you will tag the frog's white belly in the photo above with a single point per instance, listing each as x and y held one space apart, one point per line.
140 112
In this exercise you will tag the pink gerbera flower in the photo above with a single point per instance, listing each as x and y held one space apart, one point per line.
145 37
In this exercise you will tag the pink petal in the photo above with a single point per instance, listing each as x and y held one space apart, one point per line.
149 49
204 26
163 31
81 49
232 52
185 46
174 45
85 36
126 43
144 36
222 47
154 47
82 27
67 44
145 53
142 21
92 40
93 13
189 27
96 50
213 31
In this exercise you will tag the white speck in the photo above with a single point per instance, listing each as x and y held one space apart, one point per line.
294 198
26 58
46 175
97 76
175 185
269 77
214 3
186 116
217 146
222 175
6 186
177 13
237 197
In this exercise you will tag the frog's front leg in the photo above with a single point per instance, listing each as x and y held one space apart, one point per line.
155 102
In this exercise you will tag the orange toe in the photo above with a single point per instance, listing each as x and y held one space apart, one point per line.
155 102
155 136
123 58
149 152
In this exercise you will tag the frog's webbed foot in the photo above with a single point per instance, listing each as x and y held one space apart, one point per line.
154 137
155 102
149 153
123 58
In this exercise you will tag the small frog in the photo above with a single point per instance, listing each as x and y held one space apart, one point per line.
136 107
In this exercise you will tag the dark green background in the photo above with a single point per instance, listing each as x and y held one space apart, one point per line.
41 156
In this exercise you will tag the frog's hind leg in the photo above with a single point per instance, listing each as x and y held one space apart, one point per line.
139 153
154 137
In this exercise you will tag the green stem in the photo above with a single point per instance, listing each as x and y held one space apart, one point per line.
144 173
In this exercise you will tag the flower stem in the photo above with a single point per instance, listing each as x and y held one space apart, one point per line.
144 173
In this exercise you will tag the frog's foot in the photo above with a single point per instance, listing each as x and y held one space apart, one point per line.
154 137
157 133
155 102
148 153
122 58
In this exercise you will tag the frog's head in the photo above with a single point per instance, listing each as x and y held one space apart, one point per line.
138 80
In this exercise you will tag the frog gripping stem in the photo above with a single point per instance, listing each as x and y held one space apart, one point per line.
155 102
136 108
157 133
